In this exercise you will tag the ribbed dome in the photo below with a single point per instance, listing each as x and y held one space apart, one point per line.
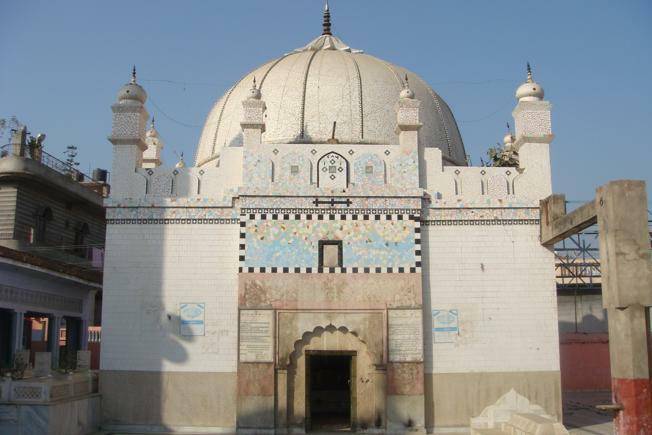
324 82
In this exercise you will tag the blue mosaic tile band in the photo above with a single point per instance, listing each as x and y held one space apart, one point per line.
289 243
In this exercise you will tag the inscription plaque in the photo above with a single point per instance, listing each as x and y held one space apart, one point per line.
405 335
256 336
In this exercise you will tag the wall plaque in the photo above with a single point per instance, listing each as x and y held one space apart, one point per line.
256 336
192 318
405 335
445 325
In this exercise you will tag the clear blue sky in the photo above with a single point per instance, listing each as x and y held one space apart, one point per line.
62 63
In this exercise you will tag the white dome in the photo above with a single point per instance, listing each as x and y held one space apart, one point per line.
324 82
132 91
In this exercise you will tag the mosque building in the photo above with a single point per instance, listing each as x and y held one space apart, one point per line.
330 260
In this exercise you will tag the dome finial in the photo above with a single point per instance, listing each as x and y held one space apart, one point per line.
181 163
152 123
508 140
326 24
254 92
406 92
133 74
530 90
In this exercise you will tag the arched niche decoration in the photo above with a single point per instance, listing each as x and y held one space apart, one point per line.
332 171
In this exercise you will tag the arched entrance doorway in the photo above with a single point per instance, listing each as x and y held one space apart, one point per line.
334 382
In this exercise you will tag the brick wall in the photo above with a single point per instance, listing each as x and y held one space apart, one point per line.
150 270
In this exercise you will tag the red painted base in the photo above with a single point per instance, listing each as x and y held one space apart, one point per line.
635 396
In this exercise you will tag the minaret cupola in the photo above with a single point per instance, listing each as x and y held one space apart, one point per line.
132 91
530 90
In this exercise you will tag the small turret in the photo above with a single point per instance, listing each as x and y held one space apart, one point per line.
128 136
253 123
152 155
533 135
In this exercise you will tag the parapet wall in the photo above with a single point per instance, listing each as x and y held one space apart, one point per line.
357 170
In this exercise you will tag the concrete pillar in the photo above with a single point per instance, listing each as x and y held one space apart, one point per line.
19 323
621 208
53 339
18 142
83 345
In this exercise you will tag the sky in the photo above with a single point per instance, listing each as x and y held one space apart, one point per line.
62 63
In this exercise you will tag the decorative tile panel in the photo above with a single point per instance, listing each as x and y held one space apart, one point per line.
369 169
289 243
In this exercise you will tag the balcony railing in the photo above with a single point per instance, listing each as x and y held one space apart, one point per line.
51 162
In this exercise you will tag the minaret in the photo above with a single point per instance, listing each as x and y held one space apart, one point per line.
128 136
533 137
253 123
408 124
152 155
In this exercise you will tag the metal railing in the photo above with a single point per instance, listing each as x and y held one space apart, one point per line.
577 259
50 161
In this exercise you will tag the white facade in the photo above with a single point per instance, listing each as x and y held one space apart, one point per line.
239 231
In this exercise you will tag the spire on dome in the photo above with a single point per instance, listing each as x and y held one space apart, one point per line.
529 73
326 24
254 92
133 74
406 92
152 123
508 140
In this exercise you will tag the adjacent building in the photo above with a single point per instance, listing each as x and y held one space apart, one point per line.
51 253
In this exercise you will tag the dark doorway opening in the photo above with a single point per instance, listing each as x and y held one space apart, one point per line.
329 391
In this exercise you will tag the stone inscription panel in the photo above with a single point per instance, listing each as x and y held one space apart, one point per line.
405 335
256 336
